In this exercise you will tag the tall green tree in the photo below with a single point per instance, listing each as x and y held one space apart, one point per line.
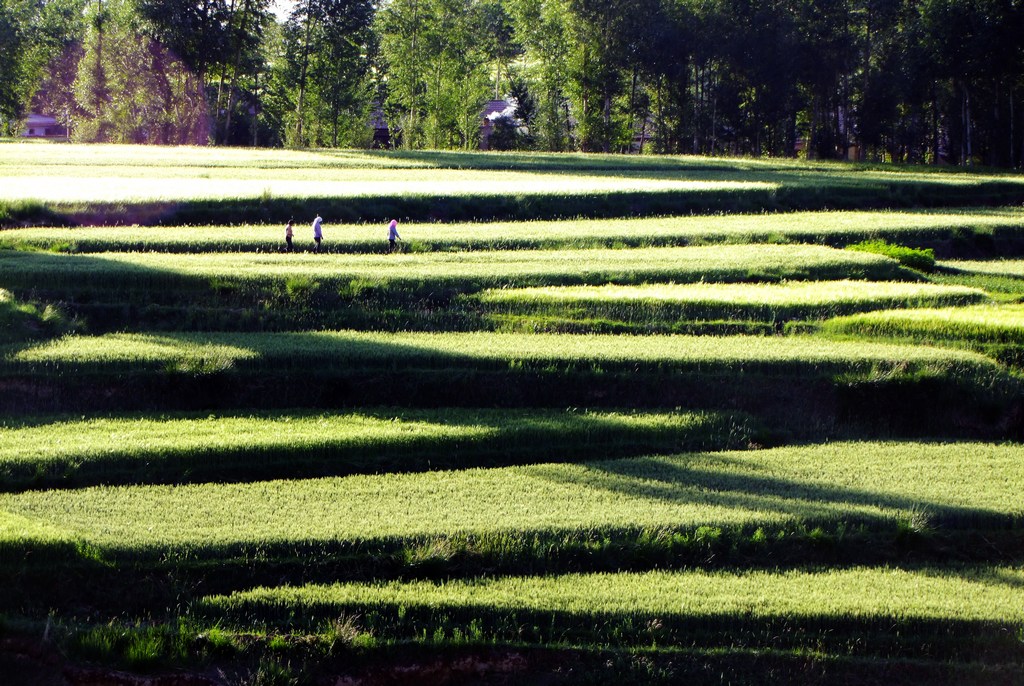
195 31
131 89
438 81
37 42
13 82
247 19
328 53
542 27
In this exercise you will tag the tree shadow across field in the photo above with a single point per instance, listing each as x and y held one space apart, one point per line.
67 277
727 482
471 439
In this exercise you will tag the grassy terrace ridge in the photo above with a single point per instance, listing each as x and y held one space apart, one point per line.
112 156
996 330
66 452
90 184
869 595
260 353
916 227
979 323
1003 267
945 484
804 386
150 272
933 614
787 300
884 613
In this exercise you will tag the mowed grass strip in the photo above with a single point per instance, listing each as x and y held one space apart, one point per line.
68 452
119 173
320 352
1010 268
928 614
32 155
181 186
837 228
149 184
709 301
149 273
877 485
985 594
1002 324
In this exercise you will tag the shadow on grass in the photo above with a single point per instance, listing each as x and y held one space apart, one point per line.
787 187
726 482
882 636
475 438
420 661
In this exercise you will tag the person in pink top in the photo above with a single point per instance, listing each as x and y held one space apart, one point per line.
393 235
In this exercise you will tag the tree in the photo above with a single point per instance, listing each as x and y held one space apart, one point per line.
195 31
131 89
542 28
437 71
402 26
35 39
245 26
13 41
326 70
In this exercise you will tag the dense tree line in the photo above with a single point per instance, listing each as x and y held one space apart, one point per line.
901 80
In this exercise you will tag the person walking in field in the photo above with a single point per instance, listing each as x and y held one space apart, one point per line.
318 232
288 234
393 235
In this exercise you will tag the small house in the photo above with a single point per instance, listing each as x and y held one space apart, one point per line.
42 126
494 110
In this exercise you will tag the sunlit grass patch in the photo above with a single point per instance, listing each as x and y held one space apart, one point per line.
133 187
119 185
1001 267
839 595
246 446
709 301
343 349
877 484
979 323
158 275
831 228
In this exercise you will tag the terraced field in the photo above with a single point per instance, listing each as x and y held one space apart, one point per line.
609 438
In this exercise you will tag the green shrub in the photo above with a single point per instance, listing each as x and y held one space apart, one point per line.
921 259
28 321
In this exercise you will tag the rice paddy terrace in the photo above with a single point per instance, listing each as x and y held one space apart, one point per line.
600 420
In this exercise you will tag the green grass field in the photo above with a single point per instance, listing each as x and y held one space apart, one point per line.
604 419
124 185
947 485
246 447
329 352
149 272
758 301
985 595
982 324
915 227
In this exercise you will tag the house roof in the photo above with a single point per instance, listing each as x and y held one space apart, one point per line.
40 120
498 108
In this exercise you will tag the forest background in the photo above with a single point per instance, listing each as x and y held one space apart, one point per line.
923 81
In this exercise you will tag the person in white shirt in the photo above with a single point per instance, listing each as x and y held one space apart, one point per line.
318 232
